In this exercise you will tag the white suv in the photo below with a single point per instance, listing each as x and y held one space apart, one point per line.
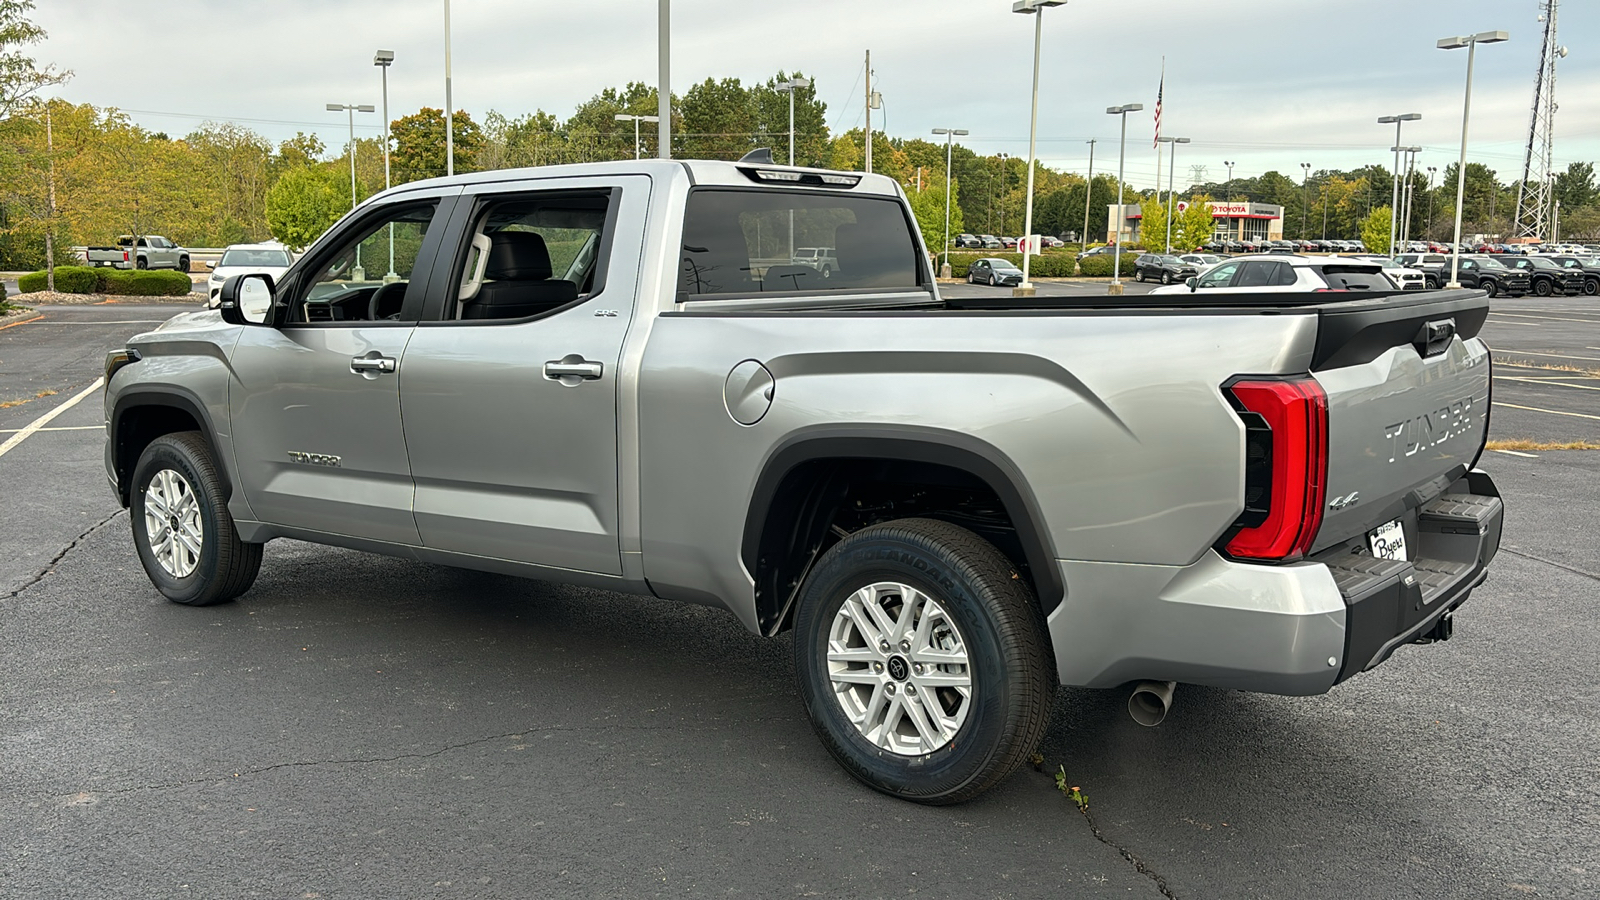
1280 273
819 258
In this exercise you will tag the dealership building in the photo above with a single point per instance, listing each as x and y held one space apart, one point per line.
1234 220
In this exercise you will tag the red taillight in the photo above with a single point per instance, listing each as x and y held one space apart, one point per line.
124 256
1296 414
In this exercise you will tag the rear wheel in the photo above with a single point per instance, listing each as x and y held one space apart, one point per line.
181 526
922 660
142 263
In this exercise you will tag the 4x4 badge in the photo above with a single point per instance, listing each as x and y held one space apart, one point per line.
1338 503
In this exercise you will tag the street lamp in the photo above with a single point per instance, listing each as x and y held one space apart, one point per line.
383 59
1229 164
790 87
1033 8
949 139
1394 202
352 109
1305 196
1405 197
1171 166
449 103
1431 170
624 117
1470 42
1122 157
1088 192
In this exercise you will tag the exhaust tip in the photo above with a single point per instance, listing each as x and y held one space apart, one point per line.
1150 701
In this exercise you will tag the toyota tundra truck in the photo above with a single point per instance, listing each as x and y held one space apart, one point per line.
150 251
952 505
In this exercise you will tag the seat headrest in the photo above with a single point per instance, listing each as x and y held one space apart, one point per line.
517 256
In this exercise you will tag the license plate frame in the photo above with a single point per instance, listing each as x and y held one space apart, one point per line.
1388 541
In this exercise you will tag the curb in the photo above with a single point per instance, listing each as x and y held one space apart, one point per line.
19 317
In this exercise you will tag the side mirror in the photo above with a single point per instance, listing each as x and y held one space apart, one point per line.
1192 283
245 299
211 264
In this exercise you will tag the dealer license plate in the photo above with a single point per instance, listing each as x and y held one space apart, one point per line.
1388 541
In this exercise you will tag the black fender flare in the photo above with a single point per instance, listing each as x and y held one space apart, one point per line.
913 444
172 397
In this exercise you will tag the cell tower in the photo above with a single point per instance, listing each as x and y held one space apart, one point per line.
1533 192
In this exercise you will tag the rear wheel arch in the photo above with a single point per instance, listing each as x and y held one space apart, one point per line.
807 489
142 416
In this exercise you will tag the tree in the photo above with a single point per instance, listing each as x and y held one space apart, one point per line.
20 76
719 121
928 206
419 145
305 202
1575 187
1194 226
1153 224
1375 229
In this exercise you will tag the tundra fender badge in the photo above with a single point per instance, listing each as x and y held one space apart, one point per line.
1349 499
315 459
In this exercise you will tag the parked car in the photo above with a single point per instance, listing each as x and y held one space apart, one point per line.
1545 277
150 251
1098 251
1010 243
1276 273
990 242
1163 268
1051 241
824 259
1587 265
994 272
1405 277
1231 500
968 241
1490 275
246 259
1202 261
1435 267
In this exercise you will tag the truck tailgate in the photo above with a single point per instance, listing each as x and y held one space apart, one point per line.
1407 381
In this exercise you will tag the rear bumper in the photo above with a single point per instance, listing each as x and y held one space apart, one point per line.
1291 629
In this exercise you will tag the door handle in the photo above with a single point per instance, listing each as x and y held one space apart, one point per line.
373 364
572 368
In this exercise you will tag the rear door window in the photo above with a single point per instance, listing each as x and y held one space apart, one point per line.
746 243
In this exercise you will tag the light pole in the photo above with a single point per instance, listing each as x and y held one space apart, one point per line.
449 103
383 59
352 109
1122 158
663 77
1394 202
1406 194
1033 8
790 87
624 117
1470 42
949 140
1229 189
1305 196
1088 192
1171 166
1431 170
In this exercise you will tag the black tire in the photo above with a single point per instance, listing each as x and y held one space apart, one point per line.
1543 288
226 566
991 279
1591 286
142 263
827 272
183 264
1166 277
1490 288
1012 673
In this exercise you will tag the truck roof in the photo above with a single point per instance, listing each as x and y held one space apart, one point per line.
698 172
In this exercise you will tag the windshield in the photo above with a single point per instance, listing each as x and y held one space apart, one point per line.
255 258
1001 265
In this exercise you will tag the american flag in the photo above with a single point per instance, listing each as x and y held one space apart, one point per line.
1159 91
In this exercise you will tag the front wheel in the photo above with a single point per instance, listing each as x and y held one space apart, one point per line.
1591 287
1166 277
1491 288
922 661
183 265
1541 288
181 526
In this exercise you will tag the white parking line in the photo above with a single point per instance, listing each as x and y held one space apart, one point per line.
1556 355
1581 387
112 322
1553 412
58 428
28 430
1518 453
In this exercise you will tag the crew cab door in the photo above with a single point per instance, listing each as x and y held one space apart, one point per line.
510 388
315 405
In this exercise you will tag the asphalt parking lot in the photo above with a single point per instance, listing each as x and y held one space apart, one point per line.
358 726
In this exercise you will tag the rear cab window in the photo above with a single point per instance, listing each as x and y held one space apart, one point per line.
745 243
1354 278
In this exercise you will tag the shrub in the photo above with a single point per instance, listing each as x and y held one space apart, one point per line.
148 283
1100 266
1049 264
69 280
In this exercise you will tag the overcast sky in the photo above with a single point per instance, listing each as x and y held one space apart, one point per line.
1267 84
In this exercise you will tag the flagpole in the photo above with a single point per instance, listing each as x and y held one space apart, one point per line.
1161 90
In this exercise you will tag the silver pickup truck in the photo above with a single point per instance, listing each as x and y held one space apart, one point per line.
151 251
952 505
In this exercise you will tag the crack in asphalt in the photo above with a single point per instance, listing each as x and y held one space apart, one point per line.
56 560
1550 562
1138 864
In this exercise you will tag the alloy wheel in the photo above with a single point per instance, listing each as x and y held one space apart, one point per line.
899 668
172 521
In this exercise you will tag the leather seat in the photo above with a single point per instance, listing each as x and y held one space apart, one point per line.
519 265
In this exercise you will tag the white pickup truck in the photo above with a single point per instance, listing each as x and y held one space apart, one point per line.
151 251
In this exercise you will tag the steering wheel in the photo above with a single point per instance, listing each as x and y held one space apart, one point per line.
387 301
